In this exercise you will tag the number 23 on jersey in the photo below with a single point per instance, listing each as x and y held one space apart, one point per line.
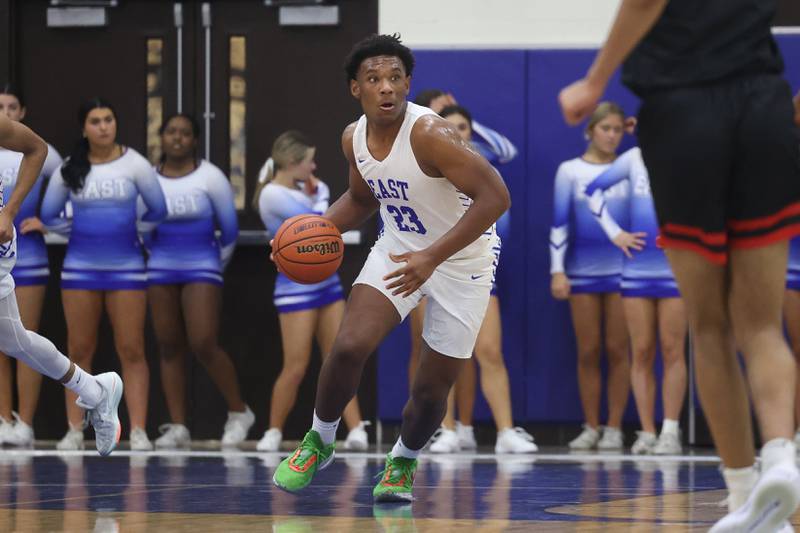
406 219
404 216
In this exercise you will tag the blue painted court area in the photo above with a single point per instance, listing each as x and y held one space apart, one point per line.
211 491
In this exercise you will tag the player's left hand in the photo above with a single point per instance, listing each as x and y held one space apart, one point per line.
6 227
579 100
272 256
418 268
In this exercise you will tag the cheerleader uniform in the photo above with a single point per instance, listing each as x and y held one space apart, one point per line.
184 248
578 246
104 251
647 274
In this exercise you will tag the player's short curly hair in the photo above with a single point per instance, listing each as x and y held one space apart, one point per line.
378 45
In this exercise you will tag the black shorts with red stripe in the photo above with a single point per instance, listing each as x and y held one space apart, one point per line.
724 164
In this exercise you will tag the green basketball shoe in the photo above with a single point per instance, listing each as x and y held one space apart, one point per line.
296 471
397 480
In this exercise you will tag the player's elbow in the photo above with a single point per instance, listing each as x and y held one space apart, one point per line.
504 199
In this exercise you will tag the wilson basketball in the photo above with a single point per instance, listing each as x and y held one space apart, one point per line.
308 248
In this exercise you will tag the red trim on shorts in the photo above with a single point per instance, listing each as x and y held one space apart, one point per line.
781 234
751 224
711 239
718 258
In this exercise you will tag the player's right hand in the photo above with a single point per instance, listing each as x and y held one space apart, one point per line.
6 227
626 242
579 100
559 286
419 266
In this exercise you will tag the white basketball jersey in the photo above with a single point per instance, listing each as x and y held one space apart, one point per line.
416 209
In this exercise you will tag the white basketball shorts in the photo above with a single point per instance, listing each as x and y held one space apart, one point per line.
457 292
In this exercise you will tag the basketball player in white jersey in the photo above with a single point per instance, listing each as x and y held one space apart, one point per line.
99 395
438 199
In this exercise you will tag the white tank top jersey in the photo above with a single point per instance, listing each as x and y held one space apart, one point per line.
416 209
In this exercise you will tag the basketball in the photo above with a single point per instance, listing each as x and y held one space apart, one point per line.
308 248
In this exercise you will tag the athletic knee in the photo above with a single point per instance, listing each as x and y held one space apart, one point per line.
714 346
171 349
349 351
430 393
489 357
205 349
81 352
130 353
643 353
293 374
672 350
750 335
589 356
17 342
643 361
617 349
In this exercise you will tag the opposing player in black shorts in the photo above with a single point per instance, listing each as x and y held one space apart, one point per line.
717 135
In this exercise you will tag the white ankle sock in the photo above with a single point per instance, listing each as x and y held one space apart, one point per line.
84 385
326 430
740 483
400 450
777 451
669 426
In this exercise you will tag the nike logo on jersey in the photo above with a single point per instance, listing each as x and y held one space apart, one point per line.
361 161
474 277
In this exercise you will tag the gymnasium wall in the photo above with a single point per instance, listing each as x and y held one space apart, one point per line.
497 24
514 92
503 24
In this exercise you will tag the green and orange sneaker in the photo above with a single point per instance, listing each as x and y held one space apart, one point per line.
296 471
397 480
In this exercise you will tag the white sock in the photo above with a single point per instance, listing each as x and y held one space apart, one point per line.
777 451
400 450
84 385
669 426
326 430
740 483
